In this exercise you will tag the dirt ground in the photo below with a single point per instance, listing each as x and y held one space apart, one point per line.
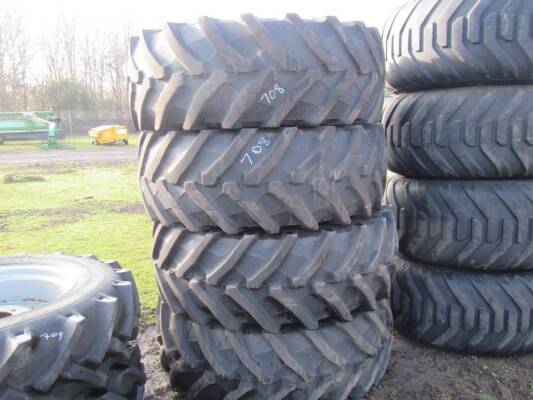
415 372
69 156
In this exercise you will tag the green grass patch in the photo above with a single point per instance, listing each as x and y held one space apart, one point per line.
95 186
95 210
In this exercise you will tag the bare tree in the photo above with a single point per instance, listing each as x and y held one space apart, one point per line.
117 60
51 50
59 50
103 64
69 47
15 61
5 43
64 68
20 59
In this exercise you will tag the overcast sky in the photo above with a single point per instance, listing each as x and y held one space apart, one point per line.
152 13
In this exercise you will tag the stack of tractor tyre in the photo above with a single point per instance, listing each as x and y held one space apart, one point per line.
262 164
460 132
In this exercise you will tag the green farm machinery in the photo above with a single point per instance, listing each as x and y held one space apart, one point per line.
34 125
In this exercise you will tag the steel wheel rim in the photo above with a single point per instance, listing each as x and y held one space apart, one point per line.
26 287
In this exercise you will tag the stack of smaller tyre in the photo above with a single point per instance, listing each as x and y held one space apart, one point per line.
67 329
262 164
460 132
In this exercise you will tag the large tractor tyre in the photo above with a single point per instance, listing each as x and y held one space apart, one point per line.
472 312
433 44
466 133
485 225
255 73
67 329
263 178
270 281
339 360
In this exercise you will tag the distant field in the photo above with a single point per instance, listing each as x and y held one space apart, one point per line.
78 210
79 142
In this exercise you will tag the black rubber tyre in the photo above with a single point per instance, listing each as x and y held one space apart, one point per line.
473 312
337 361
466 133
438 43
290 278
485 225
255 73
262 178
79 345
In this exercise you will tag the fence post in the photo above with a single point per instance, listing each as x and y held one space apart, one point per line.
70 122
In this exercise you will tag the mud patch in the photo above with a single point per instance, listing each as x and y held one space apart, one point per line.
64 220
21 179
59 216
83 208
135 208
424 372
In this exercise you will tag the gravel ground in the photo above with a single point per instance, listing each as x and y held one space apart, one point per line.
415 372
68 156
157 387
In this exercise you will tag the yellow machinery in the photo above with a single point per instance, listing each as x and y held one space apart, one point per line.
109 134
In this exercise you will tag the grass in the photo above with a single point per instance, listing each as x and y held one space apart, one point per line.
79 142
94 210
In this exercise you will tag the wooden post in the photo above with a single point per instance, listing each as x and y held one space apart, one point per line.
70 122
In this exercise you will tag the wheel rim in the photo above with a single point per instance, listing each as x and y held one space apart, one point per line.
26 287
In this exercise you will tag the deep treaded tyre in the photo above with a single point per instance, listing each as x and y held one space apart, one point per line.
255 73
486 225
464 311
468 133
262 178
435 43
334 362
293 277
67 329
